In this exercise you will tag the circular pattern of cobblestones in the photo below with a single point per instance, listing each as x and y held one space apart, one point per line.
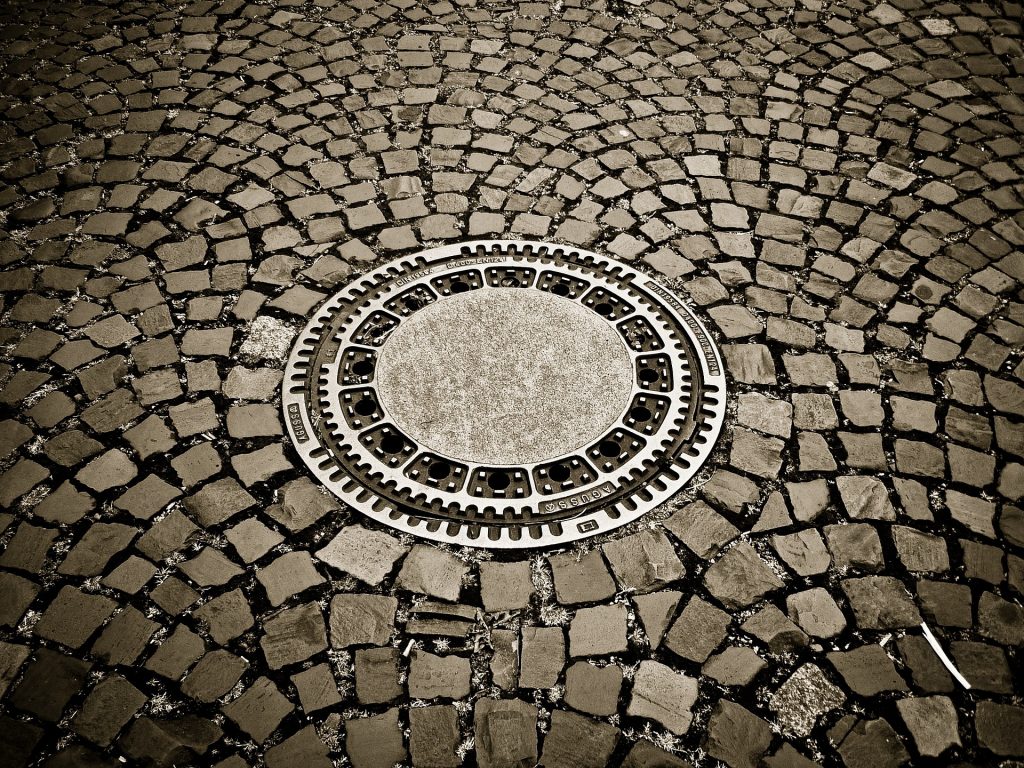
835 185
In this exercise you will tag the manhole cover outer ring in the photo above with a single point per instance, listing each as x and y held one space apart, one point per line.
353 467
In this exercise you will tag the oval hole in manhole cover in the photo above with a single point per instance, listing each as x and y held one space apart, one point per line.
504 394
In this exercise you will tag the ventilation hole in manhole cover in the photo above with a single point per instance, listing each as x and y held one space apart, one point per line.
504 394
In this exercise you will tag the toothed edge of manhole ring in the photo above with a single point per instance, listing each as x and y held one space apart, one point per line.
365 460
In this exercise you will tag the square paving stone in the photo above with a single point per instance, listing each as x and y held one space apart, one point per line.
598 631
101 542
644 561
21 739
80 756
867 743
1000 728
368 555
218 501
71 447
575 741
361 619
698 631
867 670
921 552
816 612
151 436
803 698
317 688
1001 620
434 736
73 617
880 602
110 470
855 546
294 635
431 571
19 479
985 666
303 748
226 616
260 465
593 689
124 639
737 736
27 549
12 656
259 710
736 665
18 595
542 656
741 577
974 513
865 498
433 676
932 722
645 755
107 709
375 742
214 675
804 552
254 420
147 497
701 529
50 682
116 410
377 675
663 695
252 539
583 579
504 662
505 731
505 586
731 491
210 567
166 536
165 741
302 504
157 387
288 575
808 499
197 464
194 418
65 504
176 653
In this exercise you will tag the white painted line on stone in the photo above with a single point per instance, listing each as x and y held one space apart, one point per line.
943 657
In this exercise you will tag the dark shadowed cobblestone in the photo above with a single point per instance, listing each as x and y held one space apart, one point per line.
835 186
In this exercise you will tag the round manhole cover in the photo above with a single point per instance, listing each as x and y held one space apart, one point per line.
504 394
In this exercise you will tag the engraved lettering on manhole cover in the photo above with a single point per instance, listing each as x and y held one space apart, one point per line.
504 394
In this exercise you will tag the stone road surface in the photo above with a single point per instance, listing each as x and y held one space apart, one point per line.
835 185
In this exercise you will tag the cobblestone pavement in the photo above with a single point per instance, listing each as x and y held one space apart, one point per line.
835 185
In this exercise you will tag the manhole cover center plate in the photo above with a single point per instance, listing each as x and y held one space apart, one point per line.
504 394
504 376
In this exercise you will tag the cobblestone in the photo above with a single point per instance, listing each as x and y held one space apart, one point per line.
834 185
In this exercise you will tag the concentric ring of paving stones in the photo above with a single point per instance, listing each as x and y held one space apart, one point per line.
504 394
835 185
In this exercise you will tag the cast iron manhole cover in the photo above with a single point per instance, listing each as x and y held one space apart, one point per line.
504 394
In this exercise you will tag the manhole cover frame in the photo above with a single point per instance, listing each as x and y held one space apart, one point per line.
336 444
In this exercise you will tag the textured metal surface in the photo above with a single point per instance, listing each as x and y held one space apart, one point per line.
504 376
424 459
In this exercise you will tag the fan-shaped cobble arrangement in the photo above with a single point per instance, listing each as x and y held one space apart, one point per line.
835 186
